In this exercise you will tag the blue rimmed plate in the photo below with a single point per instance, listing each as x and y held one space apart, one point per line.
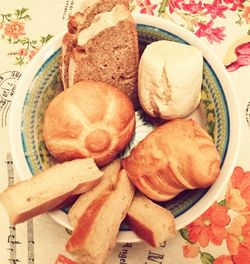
218 113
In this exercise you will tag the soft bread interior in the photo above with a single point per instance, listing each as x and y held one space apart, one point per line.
103 21
48 189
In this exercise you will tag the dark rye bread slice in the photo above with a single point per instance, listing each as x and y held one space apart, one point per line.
110 56
76 23
79 21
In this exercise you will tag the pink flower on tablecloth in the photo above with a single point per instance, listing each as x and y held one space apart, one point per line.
22 52
216 9
174 4
190 250
223 260
146 7
14 29
210 226
238 192
243 256
238 234
234 4
1 25
242 53
193 7
246 14
33 53
212 34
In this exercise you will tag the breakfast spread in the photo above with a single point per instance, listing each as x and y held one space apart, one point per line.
169 82
90 119
89 123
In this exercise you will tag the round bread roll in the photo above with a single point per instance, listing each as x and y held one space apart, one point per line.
175 156
90 119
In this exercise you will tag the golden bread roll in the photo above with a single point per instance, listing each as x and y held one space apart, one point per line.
90 119
175 156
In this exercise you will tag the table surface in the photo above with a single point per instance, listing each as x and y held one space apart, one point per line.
222 234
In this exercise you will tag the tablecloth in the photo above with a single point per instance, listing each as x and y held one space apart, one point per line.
220 235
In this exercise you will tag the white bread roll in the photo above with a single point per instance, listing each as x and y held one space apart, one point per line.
48 189
177 155
170 78
90 119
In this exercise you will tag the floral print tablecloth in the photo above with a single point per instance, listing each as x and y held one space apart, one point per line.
222 234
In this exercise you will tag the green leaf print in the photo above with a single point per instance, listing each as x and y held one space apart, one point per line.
206 258
184 234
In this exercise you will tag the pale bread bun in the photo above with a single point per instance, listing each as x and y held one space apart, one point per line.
94 237
151 222
48 189
170 78
177 155
90 119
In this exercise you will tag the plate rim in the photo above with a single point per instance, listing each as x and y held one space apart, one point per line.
234 117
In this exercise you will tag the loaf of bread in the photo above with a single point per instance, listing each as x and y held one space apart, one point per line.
175 156
47 190
94 237
90 119
102 45
107 184
151 222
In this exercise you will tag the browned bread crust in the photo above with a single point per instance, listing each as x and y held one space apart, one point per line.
151 222
175 156
107 184
95 234
90 119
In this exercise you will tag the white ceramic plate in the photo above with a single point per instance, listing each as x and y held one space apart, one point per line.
218 113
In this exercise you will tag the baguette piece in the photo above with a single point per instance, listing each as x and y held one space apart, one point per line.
95 235
107 184
151 222
50 188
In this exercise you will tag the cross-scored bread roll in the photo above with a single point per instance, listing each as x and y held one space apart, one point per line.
175 156
90 119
